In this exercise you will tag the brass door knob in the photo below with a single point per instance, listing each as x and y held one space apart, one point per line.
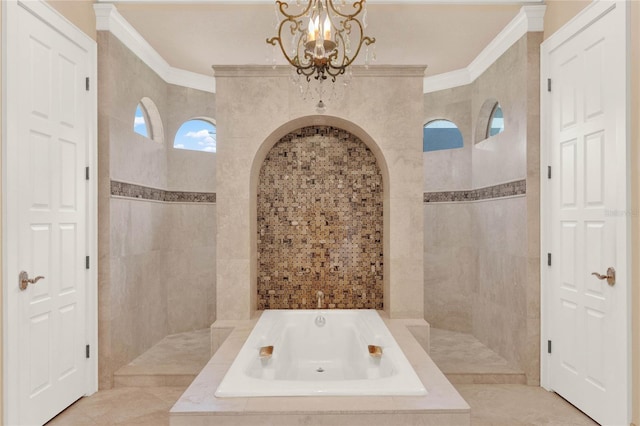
610 277
24 280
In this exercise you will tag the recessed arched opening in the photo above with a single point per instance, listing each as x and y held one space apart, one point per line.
496 121
490 121
147 121
141 122
270 142
320 223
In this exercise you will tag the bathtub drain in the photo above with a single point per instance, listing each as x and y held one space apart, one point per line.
320 370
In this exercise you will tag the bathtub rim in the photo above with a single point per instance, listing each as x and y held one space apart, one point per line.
237 384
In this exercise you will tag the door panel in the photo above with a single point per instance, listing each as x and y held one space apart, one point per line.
589 318
568 177
594 170
51 220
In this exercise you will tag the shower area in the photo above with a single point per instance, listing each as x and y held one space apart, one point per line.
157 225
481 225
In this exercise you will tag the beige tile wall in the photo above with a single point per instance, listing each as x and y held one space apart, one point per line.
499 290
502 158
256 107
189 170
450 265
482 257
157 259
450 169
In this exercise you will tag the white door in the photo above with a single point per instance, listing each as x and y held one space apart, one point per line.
46 220
588 322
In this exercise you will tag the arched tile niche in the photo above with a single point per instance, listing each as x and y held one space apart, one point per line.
320 222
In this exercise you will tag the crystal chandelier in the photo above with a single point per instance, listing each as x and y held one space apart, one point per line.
321 39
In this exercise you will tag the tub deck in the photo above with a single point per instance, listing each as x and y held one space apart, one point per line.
198 405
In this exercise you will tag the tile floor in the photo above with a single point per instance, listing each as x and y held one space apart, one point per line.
491 404
508 405
174 361
464 359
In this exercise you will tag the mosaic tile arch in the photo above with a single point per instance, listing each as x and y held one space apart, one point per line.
320 222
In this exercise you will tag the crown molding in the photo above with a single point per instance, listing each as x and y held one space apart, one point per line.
447 80
108 19
529 19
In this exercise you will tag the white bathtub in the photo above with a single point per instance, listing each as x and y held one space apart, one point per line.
315 357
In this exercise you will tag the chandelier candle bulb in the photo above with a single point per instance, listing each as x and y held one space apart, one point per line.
312 32
327 28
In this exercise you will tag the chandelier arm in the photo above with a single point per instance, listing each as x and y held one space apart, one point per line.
277 40
333 55
309 58
335 72
306 71
282 5
365 40
340 37
362 40
358 5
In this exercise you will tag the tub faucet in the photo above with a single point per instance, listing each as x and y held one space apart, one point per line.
320 296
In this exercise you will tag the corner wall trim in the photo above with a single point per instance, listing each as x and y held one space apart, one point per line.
530 18
130 190
108 19
509 189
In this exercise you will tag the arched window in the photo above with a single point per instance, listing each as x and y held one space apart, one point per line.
496 122
147 121
140 125
441 134
198 134
490 121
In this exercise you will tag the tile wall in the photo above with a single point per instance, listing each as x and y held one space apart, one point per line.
157 214
258 106
481 225
320 222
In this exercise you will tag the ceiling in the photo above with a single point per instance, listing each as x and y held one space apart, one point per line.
195 35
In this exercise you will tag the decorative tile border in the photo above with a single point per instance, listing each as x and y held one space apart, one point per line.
509 189
130 190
